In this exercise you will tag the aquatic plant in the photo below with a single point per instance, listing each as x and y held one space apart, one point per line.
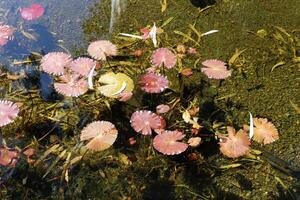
264 132
162 108
32 12
236 144
153 83
125 96
102 134
163 57
6 32
143 121
55 63
168 142
71 85
8 157
8 112
115 85
215 69
82 66
194 141
101 49
147 33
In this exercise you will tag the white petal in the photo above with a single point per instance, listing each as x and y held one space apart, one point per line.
152 34
210 32
130 35
121 89
186 116
251 128
90 77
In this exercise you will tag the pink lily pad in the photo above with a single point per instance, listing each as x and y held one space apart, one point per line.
34 11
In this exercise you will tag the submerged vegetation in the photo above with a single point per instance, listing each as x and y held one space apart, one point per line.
155 113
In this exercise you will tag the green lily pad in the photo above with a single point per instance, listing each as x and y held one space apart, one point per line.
115 84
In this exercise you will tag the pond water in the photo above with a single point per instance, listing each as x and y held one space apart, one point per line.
256 43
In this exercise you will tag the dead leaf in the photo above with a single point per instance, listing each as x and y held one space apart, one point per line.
29 35
163 4
277 65
235 56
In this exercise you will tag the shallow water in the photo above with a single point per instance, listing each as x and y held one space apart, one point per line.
58 29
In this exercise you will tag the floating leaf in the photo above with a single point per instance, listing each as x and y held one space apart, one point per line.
52 149
209 32
226 96
251 127
131 35
36 54
64 48
127 63
107 105
187 37
295 106
167 22
196 62
75 160
283 31
65 167
235 56
13 77
67 175
279 37
90 77
277 65
235 165
26 61
255 151
124 159
194 122
28 35
296 59
115 84
163 4
262 33
192 27
281 183
58 158
186 116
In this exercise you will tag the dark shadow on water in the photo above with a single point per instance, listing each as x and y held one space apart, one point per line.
244 183
209 149
222 195
202 3
285 195
45 130
200 181
41 81
47 91
160 190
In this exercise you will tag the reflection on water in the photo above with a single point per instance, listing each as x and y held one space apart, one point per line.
59 27
117 6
